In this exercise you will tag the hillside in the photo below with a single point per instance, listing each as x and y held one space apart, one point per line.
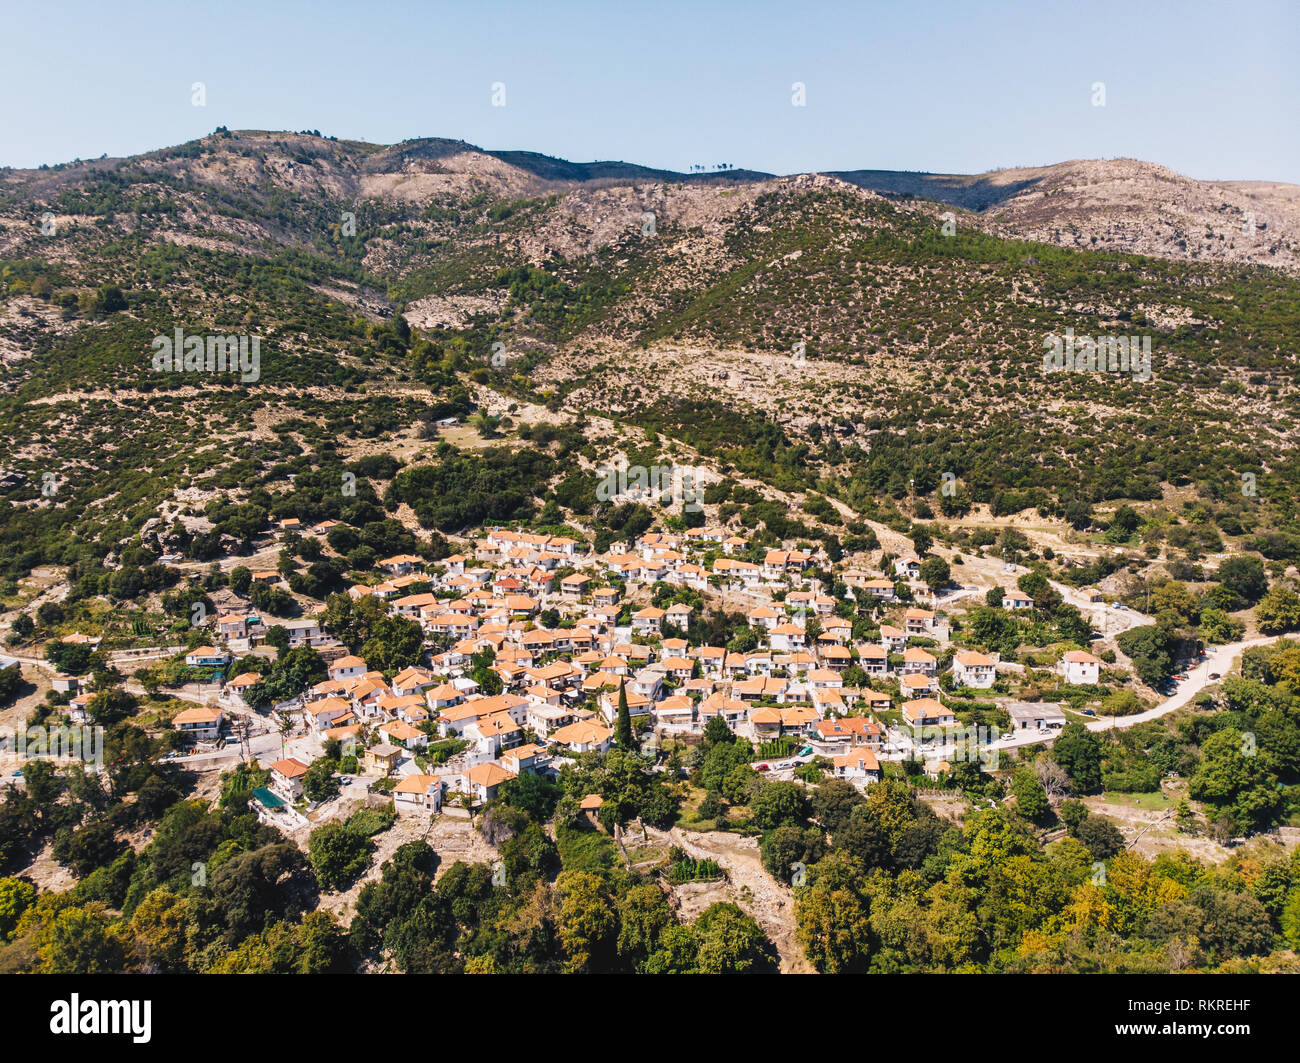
803 330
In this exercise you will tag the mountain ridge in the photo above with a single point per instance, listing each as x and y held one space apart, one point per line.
1121 204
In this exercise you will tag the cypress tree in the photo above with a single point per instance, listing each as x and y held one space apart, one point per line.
623 727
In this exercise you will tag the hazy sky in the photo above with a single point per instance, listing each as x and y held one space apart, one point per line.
1210 90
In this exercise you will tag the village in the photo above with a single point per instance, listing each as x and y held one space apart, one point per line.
433 739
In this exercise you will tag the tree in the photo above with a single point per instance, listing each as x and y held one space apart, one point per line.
79 940
1290 920
786 847
1278 611
1031 797
716 731
11 682
1120 703
277 635
1151 649
1037 586
94 845
833 916
678 950
1078 751
1235 778
935 573
290 675
395 643
833 803
16 896
339 854
1101 836
241 577
1073 813
623 725
1244 576
863 837
1123 524
586 923
731 942
160 927
779 804
1218 628
1078 514
643 916
319 784
533 793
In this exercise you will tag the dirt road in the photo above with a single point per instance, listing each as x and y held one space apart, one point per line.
770 903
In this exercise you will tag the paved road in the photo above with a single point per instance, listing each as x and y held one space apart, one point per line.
260 746
1218 659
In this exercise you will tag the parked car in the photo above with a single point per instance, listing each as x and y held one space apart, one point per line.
760 767
1089 712
1215 675
1181 678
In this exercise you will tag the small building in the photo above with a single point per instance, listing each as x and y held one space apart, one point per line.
1045 716
928 712
420 794
483 780
206 657
589 808
381 759
1080 668
287 776
200 722
858 765
971 669
584 737
346 667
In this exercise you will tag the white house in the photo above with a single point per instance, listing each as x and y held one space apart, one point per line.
286 777
200 722
346 667
206 657
971 669
1080 669
421 794
859 766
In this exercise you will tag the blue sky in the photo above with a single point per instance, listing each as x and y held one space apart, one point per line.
1207 89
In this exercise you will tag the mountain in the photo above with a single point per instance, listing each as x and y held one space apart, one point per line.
1121 205
818 332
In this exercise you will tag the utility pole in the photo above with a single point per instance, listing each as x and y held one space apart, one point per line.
243 728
